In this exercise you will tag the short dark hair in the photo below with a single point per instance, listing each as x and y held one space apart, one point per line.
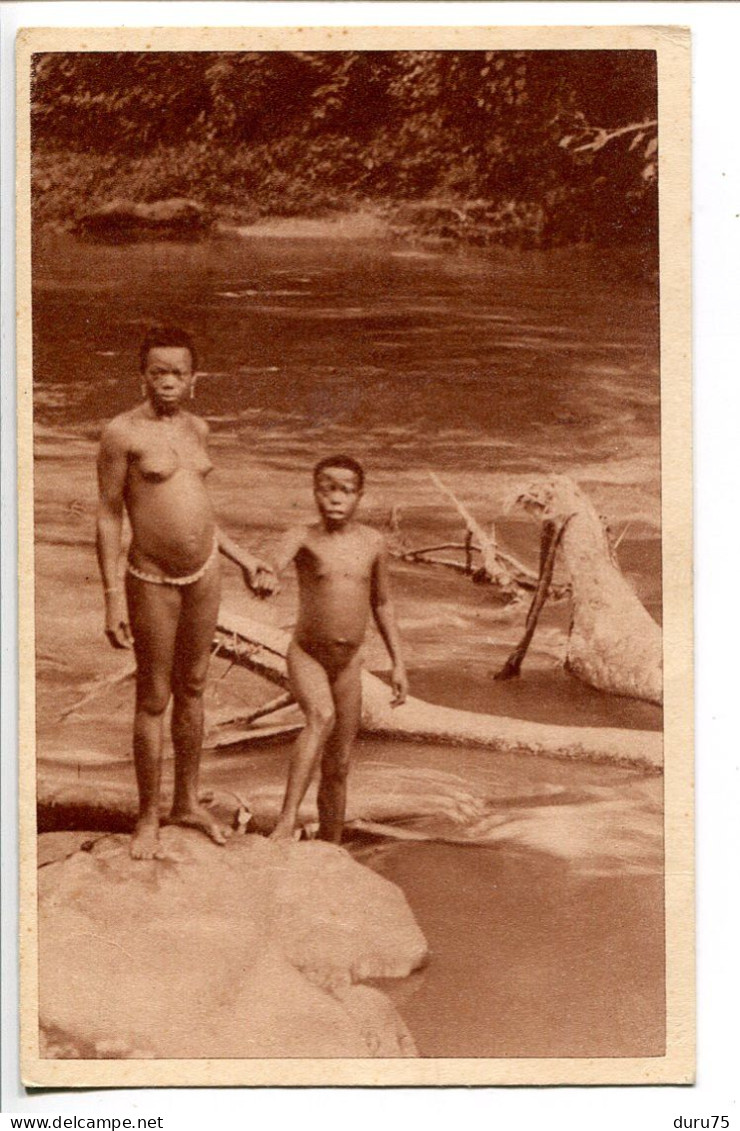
341 461
166 336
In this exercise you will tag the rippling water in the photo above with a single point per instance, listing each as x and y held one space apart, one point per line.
498 361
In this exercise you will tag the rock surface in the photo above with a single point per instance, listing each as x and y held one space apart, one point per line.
120 220
255 949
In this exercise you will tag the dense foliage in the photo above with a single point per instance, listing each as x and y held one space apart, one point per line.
552 146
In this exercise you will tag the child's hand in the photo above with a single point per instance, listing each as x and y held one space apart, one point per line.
259 578
400 684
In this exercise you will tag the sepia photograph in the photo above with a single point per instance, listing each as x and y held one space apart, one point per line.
355 499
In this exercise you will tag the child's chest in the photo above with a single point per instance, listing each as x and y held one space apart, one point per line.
335 562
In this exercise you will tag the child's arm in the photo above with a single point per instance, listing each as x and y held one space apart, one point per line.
287 548
385 618
257 574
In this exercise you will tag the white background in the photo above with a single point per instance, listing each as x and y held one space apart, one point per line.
716 87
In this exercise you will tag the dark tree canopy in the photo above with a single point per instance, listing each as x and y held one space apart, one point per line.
569 135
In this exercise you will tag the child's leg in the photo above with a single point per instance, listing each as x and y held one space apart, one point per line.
347 692
310 685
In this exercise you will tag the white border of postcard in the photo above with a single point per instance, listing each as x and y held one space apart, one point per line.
677 1066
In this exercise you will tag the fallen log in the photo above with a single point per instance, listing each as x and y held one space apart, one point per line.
230 718
400 549
613 644
424 550
262 648
398 802
420 557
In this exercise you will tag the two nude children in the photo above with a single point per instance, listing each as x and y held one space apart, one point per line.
153 464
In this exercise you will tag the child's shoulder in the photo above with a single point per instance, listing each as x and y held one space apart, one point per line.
297 534
372 537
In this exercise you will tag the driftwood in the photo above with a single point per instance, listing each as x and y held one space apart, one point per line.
384 802
262 648
500 567
551 537
613 644
425 555
387 799
507 574
428 805
230 718
492 566
98 688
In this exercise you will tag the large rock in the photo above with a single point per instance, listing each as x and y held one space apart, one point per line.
255 949
120 220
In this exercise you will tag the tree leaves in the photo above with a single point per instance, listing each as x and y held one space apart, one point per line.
553 130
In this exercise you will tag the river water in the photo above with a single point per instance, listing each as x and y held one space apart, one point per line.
490 363
486 368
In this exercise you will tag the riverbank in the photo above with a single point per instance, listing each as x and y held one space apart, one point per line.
533 149
69 190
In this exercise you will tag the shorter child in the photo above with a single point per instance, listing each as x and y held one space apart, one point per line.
342 578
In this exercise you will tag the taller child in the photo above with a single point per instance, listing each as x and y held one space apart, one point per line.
342 578
153 462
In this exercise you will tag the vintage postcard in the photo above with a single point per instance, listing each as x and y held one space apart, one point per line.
355 556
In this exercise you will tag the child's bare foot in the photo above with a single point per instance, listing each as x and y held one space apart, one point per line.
284 832
199 818
145 840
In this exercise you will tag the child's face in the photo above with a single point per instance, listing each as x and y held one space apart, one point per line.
337 494
168 376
